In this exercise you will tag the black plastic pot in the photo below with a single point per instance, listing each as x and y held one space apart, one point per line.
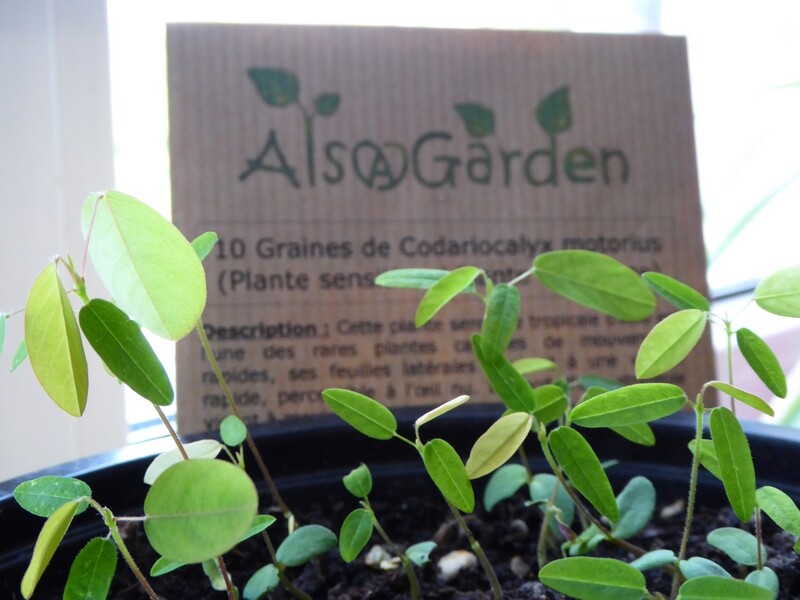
308 458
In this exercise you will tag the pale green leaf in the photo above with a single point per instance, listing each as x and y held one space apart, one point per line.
199 509
20 355
363 413
355 533
277 87
260 523
735 462
526 366
120 343
358 481
596 281
631 405
765 578
511 387
304 543
640 433
499 443
780 293
654 560
589 578
503 484
697 566
551 403
584 470
636 503
263 581
232 430
419 554
416 279
501 318
440 410
546 488
744 397
200 449
596 381
150 268
677 293
669 342
46 544
780 508
721 588
54 343
763 361
741 546
162 566
708 457
215 578
204 243
448 473
444 290
44 495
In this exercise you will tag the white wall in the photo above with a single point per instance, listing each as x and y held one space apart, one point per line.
55 147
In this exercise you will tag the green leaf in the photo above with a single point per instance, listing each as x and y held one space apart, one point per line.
355 534
721 588
499 443
440 410
631 405
595 381
669 342
677 293
361 412
444 290
358 481
478 119
199 509
49 538
526 366
543 489
277 87
589 578
503 484
501 319
698 566
150 268
596 281
584 470
415 279
511 387
262 582
742 396
326 104
640 433
92 571
735 462
215 578
780 508
162 566
204 243
232 430
121 345
762 360
44 495
445 468
636 503
260 523
780 293
553 113
765 578
20 355
206 449
654 560
708 457
419 554
304 543
54 343
741 546
551 403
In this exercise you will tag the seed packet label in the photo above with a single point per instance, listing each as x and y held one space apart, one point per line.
323 156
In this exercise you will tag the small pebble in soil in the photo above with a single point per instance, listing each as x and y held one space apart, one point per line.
452 563
519 567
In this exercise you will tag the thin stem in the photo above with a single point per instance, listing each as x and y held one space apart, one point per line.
173 434
407 566
226 391
227 578
759 538
522 276
497 591
85 258
729 351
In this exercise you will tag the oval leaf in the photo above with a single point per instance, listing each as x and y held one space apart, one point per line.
440 410
150 268
780 508
503 484
162 566
49 538
277 87
415 279
43 495
419 554
584 470
680 295
120 343
204 243
444 290
641 434
698 566
199 509
232 430
358 481
54 343
708 457
551 403
742 396
762 360
445 468
326 104
304 543
765 578
262 582
654 560
200 449
739 545
511 387
780 293
721 588
735 462
363 413
526 366
501 319
499 443
669 342
588 578
553 113
596 281
636 503
478 119
92 571
355 534
546 488
631 405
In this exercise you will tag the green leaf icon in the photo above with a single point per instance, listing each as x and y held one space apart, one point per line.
326 104
277 87
554 113
478 119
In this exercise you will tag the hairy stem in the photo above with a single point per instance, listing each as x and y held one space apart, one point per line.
497 591
227 578
407 566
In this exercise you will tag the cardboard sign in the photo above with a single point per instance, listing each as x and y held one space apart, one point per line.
323 156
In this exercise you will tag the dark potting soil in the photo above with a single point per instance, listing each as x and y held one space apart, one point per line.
508 534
